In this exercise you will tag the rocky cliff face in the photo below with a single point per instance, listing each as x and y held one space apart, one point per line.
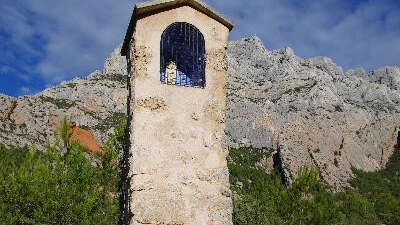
95 102
307 111
310 112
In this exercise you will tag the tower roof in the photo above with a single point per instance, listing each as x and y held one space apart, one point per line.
147 8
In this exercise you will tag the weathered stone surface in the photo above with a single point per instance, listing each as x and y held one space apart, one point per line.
178 166
115 63
386 75
7 106
310 111
94 102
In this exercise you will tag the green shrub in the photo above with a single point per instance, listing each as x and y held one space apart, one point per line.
64 131
262 199
382 188
51 188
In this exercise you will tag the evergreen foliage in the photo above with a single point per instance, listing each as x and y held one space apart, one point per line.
262 199
51 188
71 188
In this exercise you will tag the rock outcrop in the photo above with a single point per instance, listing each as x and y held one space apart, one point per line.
85 138
115 63
308 111
386 75
94 102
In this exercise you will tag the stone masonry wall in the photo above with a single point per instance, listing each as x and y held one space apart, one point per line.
178 170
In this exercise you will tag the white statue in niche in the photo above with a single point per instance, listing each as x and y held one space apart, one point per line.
170 72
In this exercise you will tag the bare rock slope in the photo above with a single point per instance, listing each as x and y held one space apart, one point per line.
310 112
307 111
95 102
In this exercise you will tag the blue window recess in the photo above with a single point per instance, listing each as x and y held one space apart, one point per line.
182 56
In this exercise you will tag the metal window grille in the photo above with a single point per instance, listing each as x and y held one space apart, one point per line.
182 45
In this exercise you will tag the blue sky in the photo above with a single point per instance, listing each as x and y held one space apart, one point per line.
44 42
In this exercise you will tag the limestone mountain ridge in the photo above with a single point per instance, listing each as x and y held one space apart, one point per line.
311 112
304 111
94 102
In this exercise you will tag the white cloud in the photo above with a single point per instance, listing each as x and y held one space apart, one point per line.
72 37
25 91
364 34
77 35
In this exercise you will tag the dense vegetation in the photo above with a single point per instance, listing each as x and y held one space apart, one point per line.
65 185
261 199
58 186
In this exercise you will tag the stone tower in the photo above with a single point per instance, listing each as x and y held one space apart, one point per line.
177 66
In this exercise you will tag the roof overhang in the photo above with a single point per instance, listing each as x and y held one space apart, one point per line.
148 8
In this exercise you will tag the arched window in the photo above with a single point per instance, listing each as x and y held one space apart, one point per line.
182 55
